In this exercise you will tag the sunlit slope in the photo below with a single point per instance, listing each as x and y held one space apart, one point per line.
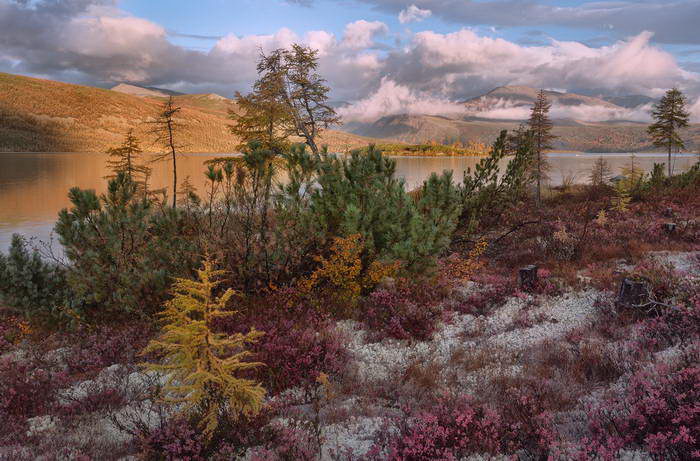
46 116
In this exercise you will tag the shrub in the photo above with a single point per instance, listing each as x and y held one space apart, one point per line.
123 250
202 366
361 195
657 413
456 428
176 440
298 344
26 390
35 288
95 349
408 310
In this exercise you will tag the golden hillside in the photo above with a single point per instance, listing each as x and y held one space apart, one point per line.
46 116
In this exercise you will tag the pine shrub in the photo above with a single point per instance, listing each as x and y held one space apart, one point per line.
32 286
123 249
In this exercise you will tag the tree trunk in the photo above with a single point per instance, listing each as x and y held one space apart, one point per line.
670 171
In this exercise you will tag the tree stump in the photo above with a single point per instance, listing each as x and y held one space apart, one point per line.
670 227
527 277
632 293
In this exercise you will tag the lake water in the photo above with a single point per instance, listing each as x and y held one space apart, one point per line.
34 186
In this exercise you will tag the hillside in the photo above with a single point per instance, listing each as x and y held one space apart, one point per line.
571 134
47 116
517 96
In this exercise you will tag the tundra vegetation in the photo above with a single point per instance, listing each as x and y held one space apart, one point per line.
307 306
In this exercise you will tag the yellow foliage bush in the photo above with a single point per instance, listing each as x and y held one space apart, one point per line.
201 365
340 276
463 269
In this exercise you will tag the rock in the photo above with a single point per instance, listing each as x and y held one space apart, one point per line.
670 227
669 212
40 425
527 277
632 293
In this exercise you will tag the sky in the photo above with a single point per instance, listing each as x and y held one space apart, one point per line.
382 56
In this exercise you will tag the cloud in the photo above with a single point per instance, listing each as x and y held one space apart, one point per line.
502 109
413 14
463 63
360 34
391 98
94 42
671 21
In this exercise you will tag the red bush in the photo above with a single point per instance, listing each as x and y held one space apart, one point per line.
26 390
658 413
298 344
397 314
455 428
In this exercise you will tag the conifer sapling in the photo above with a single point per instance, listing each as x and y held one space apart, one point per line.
203 366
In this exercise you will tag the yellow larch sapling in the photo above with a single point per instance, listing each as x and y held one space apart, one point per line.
202 365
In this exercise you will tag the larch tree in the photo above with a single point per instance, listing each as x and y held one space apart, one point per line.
670 116
203 367
541 128
600 173
165 129
306 95
263 115
290 98
127 159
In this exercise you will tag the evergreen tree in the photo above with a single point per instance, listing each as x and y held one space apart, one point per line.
541 127
127 159
601 172
670 115
165 129
204 367
35 288
264 115
295 93
123 250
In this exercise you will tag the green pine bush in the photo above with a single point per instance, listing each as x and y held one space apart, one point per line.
30 285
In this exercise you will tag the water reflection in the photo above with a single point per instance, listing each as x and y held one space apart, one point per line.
33 187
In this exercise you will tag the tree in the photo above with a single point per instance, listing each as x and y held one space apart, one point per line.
670 116
264 115
601 172
201 365
541 127
126 158
165 128
292 75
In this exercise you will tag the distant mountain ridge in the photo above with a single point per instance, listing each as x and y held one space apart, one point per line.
144 91
506 107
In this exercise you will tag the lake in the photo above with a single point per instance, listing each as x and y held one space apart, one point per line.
34 186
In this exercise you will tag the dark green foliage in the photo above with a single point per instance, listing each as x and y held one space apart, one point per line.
670 115
123 250
484 189
361 195
30 285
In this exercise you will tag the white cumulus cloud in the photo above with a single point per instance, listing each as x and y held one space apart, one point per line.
413 14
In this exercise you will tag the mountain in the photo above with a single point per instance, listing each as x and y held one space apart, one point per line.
147 91
571 135
520 96
629 101
506 107
47 116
